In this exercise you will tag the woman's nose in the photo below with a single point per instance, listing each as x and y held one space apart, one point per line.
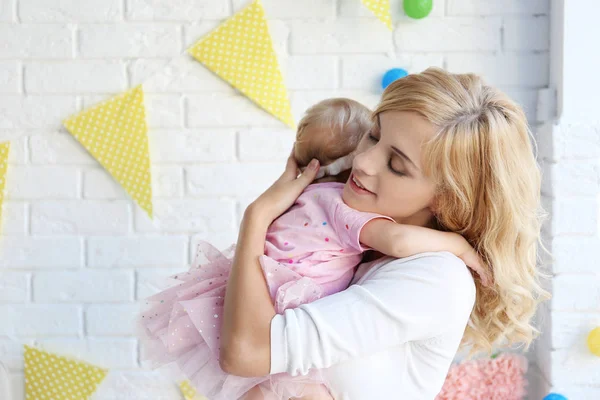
366 161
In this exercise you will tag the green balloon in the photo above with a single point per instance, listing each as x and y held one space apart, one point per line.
418 9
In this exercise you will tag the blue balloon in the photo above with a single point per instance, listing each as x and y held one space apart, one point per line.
554 396
392 75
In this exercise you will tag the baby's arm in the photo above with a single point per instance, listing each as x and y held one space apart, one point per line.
399 240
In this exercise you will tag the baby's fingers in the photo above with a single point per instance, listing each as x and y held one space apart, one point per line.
483 274
475 262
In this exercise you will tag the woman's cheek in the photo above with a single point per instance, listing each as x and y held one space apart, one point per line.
363 144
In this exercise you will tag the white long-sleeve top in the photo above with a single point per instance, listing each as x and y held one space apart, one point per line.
391 335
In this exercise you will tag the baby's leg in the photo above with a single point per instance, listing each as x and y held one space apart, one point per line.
315 392
254 394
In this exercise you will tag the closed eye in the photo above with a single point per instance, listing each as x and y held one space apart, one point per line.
399 173
390 166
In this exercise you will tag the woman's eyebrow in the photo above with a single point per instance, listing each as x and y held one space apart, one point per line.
400 153
397 150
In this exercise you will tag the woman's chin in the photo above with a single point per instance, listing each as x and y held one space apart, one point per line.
350 198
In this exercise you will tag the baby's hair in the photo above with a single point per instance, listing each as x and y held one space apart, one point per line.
345 121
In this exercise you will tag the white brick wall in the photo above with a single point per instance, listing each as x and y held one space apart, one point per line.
31 41
74 217
44 11
130 40
74 77
76 253
22 112
9 77
570 155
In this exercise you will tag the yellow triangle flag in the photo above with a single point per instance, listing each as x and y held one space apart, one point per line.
4 150
116 134
48 376
240 51
189 392
381 9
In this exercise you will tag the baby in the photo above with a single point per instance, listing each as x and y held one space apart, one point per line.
330 131
311 251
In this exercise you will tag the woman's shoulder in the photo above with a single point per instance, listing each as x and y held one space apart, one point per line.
440 263
441 272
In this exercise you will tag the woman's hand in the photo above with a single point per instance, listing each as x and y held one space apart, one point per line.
284 192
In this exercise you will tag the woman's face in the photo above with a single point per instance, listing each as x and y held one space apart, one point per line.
388 167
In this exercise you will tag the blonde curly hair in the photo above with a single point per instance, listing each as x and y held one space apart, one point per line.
488 190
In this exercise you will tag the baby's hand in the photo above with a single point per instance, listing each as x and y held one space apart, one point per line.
474 261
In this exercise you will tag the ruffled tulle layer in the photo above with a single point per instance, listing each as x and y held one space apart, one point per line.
182 325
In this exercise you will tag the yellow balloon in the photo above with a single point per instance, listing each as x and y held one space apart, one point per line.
593 341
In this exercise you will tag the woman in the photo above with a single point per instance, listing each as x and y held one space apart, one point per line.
447 152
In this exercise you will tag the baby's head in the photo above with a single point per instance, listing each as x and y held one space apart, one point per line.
330 130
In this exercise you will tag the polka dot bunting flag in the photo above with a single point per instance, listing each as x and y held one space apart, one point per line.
189 392
241 52
4 150
381 9
116 134
51 377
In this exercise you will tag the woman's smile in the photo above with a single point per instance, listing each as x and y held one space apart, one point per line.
357 186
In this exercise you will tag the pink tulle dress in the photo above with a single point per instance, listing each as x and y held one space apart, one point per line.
311 251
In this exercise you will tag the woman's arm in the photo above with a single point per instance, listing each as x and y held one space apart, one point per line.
248 308
400 240
405 300
245 340
411 299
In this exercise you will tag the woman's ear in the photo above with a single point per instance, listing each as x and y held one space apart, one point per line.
433 205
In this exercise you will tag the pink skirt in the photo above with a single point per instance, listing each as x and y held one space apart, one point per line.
182 325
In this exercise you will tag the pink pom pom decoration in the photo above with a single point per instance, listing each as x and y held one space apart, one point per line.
501 378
